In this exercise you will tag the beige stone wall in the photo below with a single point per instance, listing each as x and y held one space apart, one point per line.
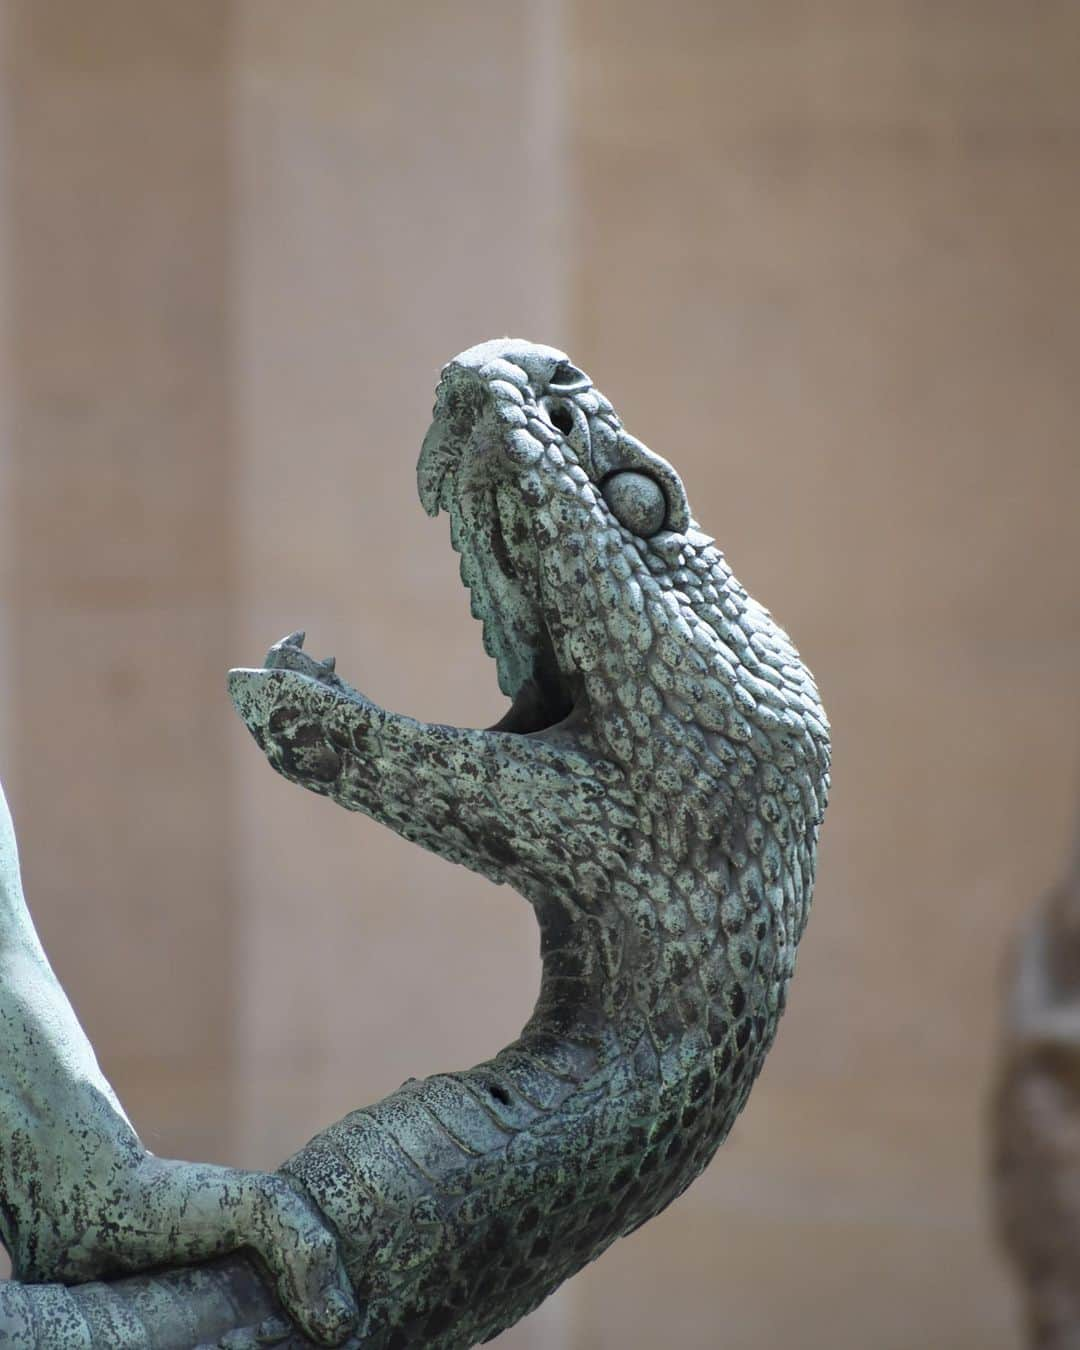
118 590
828 254
822 255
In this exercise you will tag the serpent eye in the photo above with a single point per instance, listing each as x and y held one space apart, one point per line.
636 501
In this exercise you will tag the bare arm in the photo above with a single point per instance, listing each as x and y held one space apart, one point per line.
81 1197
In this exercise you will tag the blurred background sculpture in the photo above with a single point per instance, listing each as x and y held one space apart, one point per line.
655 791
1036 1116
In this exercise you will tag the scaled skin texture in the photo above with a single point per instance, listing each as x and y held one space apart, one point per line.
655 791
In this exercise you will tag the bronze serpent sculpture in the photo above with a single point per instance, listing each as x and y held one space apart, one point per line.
655 791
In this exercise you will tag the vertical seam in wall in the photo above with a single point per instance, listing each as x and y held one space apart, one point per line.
243 821
547 126
231 478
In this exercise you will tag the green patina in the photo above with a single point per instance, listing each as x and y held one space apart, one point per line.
655 791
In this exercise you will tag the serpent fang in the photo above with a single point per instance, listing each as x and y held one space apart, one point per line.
655 791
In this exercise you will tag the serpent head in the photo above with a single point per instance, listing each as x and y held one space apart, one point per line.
663 766
616 623
544 490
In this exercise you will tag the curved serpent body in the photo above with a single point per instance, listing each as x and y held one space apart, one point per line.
655 791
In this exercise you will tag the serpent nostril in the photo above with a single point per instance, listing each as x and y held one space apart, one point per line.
567 379
562 419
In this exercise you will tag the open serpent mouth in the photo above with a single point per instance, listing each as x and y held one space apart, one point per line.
497 529
499 568
502 581
544 700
